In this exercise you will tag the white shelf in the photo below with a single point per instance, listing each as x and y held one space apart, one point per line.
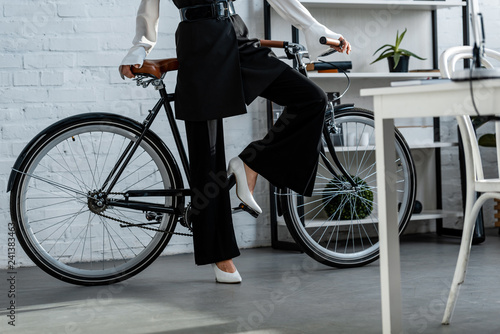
425 215
412 146
390 4
374 75
352 148
432 145
322 223
435 214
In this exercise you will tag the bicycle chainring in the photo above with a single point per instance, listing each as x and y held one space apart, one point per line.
186 220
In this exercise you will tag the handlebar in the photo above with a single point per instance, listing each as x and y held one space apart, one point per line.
273 44
281 44
330 41
297 52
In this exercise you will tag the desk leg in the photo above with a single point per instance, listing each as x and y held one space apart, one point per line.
390 271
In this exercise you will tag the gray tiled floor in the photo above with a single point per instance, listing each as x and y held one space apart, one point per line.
282 292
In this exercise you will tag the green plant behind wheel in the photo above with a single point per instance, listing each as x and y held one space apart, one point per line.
347 205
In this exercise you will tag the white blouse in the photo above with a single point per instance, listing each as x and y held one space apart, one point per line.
291 10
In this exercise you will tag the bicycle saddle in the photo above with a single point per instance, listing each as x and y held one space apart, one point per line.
157 67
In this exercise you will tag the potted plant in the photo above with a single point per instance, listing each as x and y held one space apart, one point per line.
398 58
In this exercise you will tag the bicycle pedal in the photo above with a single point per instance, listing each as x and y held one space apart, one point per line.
242 207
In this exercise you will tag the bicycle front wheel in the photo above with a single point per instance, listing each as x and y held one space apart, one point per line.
338 225
59 222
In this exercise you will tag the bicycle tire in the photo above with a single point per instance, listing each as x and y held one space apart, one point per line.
50 202
337 226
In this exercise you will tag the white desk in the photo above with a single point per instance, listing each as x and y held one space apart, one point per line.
430 100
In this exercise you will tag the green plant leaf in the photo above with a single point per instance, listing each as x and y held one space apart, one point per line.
396 59
389 46
409 53
388 51
383 56
487 140
396 44
400 38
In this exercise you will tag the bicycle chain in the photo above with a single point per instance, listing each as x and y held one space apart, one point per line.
135 225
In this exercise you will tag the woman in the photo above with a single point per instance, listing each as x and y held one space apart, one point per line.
224 70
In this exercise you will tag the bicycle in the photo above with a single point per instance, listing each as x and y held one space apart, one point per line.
96 197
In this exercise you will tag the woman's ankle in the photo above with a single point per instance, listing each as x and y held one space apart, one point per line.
226 266
251 178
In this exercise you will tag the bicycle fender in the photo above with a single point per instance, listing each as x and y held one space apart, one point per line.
341 107
20 160
51 129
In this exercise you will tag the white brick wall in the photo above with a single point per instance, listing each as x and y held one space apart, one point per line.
60 58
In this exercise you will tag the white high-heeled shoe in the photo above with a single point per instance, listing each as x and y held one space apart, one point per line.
237 167
224 277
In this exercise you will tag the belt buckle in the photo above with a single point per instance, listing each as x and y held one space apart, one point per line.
222 10
182 12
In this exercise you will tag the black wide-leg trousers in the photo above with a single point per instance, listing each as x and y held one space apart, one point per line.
287 157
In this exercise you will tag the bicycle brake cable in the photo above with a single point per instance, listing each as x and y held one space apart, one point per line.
345 73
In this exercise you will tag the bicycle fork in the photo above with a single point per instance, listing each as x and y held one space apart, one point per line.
330 127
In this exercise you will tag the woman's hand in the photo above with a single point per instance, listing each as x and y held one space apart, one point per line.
344 46
125 71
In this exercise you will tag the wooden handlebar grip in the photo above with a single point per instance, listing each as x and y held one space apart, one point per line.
330 41
272 44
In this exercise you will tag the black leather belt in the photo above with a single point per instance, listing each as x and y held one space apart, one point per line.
217 10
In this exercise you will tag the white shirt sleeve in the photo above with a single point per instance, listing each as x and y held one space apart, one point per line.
146 32
295 13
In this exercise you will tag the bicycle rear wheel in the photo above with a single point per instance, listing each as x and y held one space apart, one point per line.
58 219
338 225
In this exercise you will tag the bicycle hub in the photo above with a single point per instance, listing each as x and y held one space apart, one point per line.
96 201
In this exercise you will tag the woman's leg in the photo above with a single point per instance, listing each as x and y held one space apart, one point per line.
213 233
288 155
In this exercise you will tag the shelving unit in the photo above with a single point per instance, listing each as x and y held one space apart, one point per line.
424 215
374 75
434 145
371 147
393 7
363 4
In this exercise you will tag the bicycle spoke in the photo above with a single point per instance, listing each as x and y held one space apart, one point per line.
49 205
57 185
96 158
72 196
119 236
112 241
67 169
64 231
107 155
